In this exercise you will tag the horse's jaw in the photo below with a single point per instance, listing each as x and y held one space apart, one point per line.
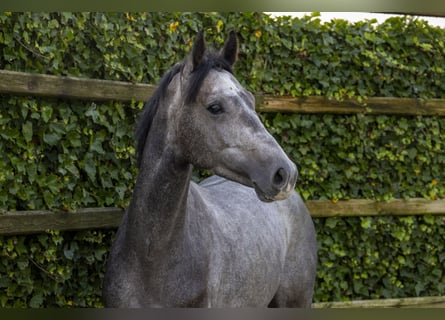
282 195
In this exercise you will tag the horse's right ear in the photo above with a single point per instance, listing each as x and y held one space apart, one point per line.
230 50
198 50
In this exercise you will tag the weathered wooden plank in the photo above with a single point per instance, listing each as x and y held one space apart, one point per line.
418 302
27 222
21 83
363 207
373 105
24 222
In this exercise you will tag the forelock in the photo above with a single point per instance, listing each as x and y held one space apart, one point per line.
211 62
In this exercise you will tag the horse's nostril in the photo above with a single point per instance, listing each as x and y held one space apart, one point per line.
280 177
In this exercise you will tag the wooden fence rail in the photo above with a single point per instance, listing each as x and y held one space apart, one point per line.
42 85
26 222
20 83
419 302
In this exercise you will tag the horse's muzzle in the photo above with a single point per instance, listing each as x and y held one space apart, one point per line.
280 186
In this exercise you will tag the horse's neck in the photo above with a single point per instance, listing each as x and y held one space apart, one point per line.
157 210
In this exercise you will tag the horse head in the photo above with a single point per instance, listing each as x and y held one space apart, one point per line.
220 130
213 125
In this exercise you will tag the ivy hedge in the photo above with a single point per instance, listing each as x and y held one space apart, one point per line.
73 154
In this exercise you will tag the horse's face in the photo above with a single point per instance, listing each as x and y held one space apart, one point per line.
221 131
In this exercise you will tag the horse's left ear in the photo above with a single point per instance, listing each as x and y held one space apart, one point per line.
199 47
230 50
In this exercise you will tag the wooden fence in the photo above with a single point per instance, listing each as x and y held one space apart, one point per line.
20 83
26 222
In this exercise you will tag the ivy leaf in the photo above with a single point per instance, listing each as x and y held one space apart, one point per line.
51 138
72 169
48 198
89 166
366 223
96 144
31 170
46 114
36 301
93 113
27 131
331 223
70 250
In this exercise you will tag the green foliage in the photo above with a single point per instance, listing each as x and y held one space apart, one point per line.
53 269
74 154
382 257
402 57
358 156
65 154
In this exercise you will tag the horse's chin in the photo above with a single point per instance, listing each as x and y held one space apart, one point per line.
263 196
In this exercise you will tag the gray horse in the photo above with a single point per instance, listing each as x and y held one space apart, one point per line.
213 244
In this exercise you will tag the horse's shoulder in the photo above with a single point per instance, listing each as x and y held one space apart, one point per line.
220 192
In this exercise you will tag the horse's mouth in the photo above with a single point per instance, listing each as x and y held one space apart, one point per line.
263 196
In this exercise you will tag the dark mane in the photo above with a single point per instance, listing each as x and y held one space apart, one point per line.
212 61
149 111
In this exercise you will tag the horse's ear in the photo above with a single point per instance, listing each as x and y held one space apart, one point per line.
230 50
199 48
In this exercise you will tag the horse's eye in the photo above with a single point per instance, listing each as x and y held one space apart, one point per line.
215 108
